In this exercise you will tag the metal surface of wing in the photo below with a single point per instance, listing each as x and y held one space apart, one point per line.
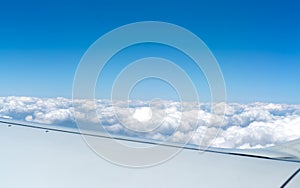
34 155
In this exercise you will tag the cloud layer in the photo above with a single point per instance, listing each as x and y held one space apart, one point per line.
242 126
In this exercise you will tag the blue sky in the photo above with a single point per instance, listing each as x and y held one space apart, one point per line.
255 42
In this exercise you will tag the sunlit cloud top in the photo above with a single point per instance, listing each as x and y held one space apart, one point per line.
252 125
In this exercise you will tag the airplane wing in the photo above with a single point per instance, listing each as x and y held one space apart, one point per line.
41 156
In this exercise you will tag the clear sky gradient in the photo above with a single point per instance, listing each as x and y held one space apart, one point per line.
257 43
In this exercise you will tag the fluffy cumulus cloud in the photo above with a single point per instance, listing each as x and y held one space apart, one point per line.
239 126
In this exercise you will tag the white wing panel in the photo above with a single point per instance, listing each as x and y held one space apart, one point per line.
36 158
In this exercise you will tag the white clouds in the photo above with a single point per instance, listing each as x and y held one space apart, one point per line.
142 114
243 126
38 110
259 125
